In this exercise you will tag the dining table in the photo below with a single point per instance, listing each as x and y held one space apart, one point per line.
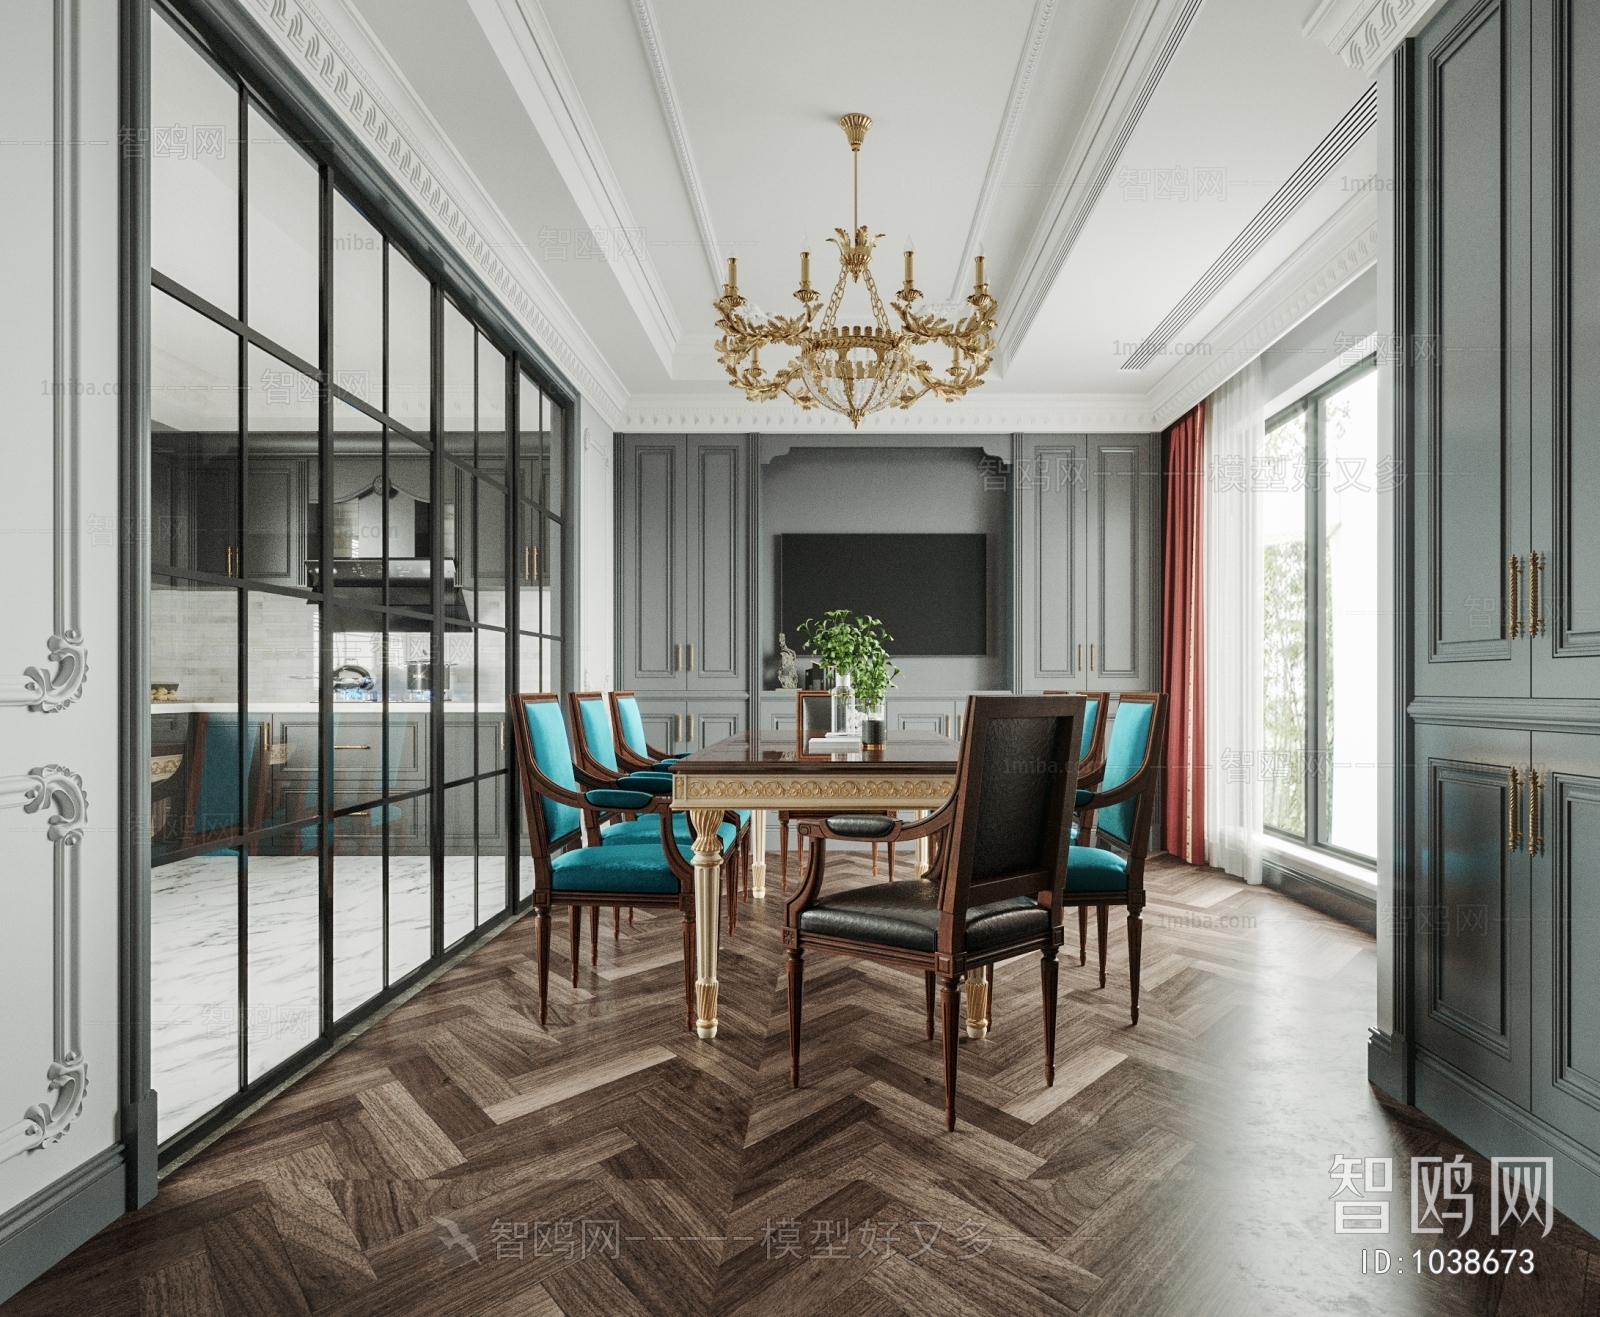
773 770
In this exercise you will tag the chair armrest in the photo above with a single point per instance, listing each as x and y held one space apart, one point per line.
1117 794
897 830
657 783
612 798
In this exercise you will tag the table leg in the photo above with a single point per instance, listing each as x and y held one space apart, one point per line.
922 847
978 984
707 889
758 853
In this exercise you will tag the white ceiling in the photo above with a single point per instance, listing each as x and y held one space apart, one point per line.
678 132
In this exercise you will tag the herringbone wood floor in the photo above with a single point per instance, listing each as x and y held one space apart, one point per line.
1179 1167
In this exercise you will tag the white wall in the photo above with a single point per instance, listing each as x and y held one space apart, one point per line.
595 579
58 405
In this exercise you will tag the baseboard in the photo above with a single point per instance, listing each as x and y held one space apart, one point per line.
1491 1125
37 1233
1344 906
1386 1064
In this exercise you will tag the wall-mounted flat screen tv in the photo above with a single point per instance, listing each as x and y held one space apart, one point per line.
930 591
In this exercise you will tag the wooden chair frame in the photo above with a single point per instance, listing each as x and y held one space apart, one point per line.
543 848
1142 784
954 827
802 748
626 757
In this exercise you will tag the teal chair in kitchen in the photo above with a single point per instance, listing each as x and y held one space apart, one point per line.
599 765
1107 869
220 747
1091 759
562 816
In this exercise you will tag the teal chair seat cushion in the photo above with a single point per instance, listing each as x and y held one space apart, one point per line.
906 914
647 832
618 869
657 783
1083 797
607 798
1090 869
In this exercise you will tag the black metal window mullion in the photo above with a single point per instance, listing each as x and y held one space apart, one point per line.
1314 766
436 624
241 597
384 692
325 868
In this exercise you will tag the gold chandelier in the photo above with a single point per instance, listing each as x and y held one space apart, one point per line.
856 369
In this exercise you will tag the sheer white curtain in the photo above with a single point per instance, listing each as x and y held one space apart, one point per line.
1235 431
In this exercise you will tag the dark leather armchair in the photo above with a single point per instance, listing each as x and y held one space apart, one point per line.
994 887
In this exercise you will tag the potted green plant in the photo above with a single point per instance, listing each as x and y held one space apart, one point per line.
854 651
872 677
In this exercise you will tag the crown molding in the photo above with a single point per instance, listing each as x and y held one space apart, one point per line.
1345 246
1148 43
349 67
997 414
1021 82
644 19
528 52
1364 33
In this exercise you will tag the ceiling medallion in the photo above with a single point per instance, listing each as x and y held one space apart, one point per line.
856 369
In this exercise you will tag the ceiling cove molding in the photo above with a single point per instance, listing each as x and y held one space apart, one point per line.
1021 82
1342 248
1356 122
39 688
355 75
999 414
57 794
1146 48
1364 33
526 46
644 19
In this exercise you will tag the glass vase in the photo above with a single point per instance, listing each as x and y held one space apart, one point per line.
845 718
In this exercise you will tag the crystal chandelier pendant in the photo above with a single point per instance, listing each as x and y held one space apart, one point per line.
855 370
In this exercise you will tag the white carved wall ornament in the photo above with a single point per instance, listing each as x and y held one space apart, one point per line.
57 793
39 688
1364 33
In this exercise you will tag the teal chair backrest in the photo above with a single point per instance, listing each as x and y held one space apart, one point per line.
1130 737
217 802
632 726
552 754
1091 711
595 728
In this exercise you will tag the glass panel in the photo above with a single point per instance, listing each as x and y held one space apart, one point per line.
194 170
1281 507
285 662
406 829
555 421
531 442
494 749
197 752
530 654
1350 589
489 601
460 385
460 861
493 836
357 303
411 523
410 344
282 469
357 910
491 411
460 550
283 957
194 985
282 228
460 676
359 651
360 515
194 440
550 575
530 565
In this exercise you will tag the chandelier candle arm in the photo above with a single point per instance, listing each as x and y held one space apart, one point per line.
855 369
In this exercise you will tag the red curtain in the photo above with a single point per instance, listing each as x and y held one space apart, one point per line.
1183 640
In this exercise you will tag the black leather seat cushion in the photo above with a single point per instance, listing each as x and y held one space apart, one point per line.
861 825
906 914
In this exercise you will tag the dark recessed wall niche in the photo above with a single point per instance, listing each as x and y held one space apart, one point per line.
894 490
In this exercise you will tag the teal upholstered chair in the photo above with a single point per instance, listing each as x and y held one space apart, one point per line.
1091 755
561 816
599 765
634 751
1114 823
220 745
994 888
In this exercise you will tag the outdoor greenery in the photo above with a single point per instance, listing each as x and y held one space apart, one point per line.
855 648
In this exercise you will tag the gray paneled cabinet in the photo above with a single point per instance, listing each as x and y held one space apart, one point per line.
679 726
1089 526
1503 258
682 536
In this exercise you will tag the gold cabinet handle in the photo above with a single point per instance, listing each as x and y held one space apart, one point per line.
1513 837
691 729
691 666
1535 610
352 747
1091 656
1080 657
677 660
1535 812
1514 594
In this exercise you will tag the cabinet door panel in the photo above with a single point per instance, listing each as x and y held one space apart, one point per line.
665 722
650 564
1566 935
1122 544
715 563
1471 378
1472 905
1050 488
715 721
